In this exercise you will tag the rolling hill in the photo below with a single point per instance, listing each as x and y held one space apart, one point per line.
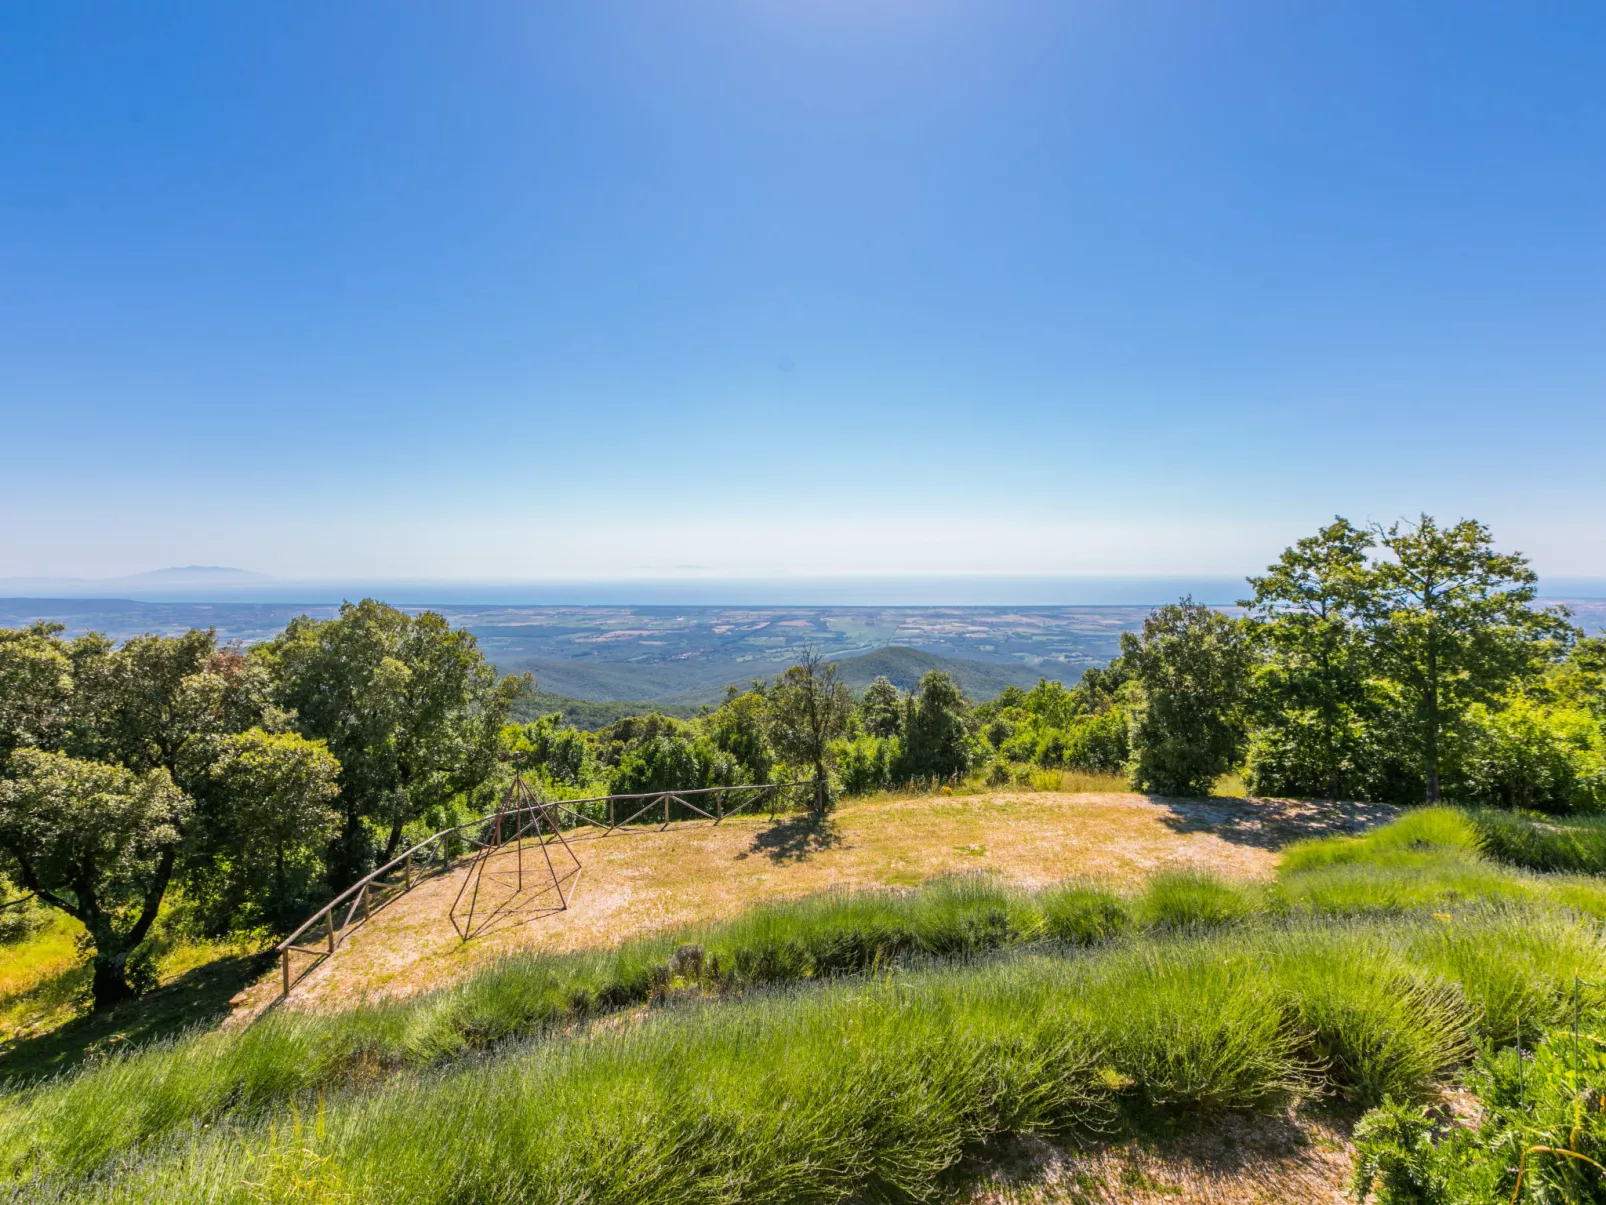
660 684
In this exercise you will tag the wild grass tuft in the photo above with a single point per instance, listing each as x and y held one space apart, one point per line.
1189 899
1084 914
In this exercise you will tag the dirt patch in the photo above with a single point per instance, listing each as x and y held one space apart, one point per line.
649 879
1234 1159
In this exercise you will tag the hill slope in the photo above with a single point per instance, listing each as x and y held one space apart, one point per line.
690 683
904 667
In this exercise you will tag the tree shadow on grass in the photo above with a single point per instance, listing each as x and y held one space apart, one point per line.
197 997
794 838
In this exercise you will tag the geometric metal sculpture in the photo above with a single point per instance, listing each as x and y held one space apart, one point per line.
522 814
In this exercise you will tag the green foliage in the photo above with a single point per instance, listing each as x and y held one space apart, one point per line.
1540 1119
588 715
1450 624
409 707
266 813
1311 684
1186 899
868 763
1097 743
553 750
740 728
1193 665
36 688
1395 1157
98 842
1085 915
669 761
1524 754
880 710
936 741
1546 843
1419 833
809 709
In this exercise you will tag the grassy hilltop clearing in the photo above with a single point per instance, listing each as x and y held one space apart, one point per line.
967 1037
1300 902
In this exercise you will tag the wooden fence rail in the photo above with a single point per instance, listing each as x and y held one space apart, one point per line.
372 892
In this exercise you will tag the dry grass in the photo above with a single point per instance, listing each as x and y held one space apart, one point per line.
656 879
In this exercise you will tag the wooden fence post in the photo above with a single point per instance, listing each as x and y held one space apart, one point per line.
365 901
407 871
286 962
329 913
719 806
666 809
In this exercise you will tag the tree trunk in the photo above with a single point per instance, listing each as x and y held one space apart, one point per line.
1432 744
394 841
109 986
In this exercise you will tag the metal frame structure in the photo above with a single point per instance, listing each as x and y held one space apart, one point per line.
525 813
322 932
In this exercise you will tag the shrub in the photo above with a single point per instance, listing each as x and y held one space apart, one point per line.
1084 915
1525 755
669 761
1186 899
1539 1114
866 764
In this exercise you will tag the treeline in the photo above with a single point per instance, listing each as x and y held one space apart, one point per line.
1393 665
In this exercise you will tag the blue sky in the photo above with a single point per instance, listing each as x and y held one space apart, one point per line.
523 291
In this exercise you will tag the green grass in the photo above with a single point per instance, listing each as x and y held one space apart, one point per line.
1537 842
45 1023
1360 972
1430 858
870 1088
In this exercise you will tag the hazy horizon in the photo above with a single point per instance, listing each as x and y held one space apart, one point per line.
883 590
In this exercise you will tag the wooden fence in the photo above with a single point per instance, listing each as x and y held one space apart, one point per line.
436 853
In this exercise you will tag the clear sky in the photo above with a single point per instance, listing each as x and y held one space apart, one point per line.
543 290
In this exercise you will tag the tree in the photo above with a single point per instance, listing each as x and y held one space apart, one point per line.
409 707
36 688
1193 665
740 727
557 750
670 761
96 841
264 816
1306 614
936 739
1052 704
1524 754
881 708
810 709
1451 624
133 729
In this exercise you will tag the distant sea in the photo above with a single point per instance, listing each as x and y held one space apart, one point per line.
974 590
